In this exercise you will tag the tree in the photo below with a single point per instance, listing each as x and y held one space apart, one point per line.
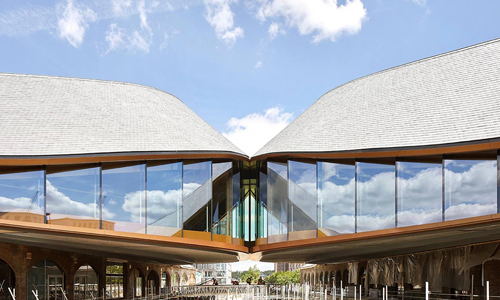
253 273
284 277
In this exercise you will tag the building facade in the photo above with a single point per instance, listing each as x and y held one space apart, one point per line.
284 267
220 272
109 176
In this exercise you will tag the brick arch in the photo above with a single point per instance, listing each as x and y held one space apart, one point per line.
9 260
153 275
91 264
59 262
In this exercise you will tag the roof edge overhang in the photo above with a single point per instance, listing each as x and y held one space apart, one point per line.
382 243
423 150
84 158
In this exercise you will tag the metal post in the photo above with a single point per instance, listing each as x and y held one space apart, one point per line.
472 289
354 292
360 289
341 291
487 290
386 293
426 290
383 294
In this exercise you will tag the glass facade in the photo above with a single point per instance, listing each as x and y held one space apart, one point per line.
242 202
336 199
470 188
73 197
302 191
124 198
222 187
277 201
164 199
197 196
420 193
376 196
22 196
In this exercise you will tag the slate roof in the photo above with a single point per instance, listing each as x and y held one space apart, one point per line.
445 99
52 116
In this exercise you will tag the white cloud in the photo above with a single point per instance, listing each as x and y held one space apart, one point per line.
160 205
167 37
274 30
253 131
323 18
259 65
138 40
420 2
221 18
73 21
115 37
60 204
20 204
120 7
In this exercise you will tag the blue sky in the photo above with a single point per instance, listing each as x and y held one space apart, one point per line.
247 67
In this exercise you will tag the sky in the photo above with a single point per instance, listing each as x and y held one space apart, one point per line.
247 67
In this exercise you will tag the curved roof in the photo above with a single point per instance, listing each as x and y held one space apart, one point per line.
51 116
445 99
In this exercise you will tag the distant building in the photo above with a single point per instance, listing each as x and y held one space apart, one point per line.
283 267
206 272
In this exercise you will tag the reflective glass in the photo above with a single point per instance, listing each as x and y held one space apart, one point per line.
124 199
197 193
86 283
277 200
222 179
21 196
46 279
376 189
419 193
302 192
73 198
114 280
262 213
336 201
164 199
470 188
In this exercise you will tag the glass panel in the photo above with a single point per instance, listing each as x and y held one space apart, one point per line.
164 199
222 198
419 193
45 278
470 188
336 204
164 283
376 196
235 210
197 193
73 198
114 280
262 221
277 197
7 280
123 199
302 192
21 196
86 283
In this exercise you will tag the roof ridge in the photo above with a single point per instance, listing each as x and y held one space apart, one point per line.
90 80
